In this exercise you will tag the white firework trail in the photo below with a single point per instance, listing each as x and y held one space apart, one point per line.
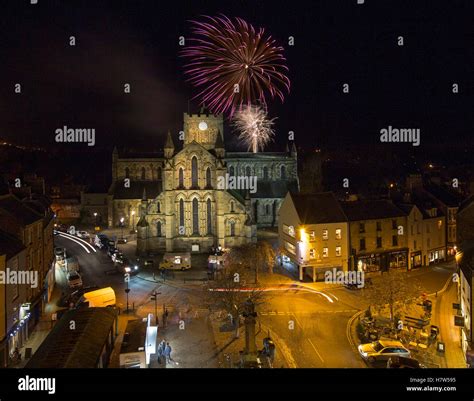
254 127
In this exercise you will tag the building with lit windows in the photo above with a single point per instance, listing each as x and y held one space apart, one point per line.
313 232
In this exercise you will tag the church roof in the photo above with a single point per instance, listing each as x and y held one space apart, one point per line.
272 189
151 188
255 156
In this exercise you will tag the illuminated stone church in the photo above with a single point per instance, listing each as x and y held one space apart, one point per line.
175 198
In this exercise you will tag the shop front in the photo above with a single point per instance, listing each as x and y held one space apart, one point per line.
415 260
382 261
436 255
19 333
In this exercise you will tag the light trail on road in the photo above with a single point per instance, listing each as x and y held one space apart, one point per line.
74 240
269 289
72 237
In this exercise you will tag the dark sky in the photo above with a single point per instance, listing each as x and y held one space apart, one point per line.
336 42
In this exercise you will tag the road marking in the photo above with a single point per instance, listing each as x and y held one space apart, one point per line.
315 350
281 313
74 240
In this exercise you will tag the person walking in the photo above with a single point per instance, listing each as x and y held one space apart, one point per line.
167 353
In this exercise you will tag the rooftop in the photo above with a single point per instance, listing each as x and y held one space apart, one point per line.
11 205
134 337
371 210
79 348
152 188
9 245
318 208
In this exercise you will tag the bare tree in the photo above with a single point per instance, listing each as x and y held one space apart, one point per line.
257 257
230 291
393 290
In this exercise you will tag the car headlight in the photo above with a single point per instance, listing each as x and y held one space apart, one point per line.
127 269
136 267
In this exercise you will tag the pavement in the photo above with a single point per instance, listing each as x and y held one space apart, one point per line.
442 295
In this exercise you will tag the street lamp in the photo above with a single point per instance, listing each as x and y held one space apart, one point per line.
154 298
127 290
121 224
133 220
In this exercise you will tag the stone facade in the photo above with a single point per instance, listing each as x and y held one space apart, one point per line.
175 200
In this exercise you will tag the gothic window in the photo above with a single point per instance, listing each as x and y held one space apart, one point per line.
232 171
143 173
232 207
158 207
158 173
209 217
283 172
208 178
158 229
194 172
181 178
181 214
195 216
248 172
232 228
267 209
265 173
127 172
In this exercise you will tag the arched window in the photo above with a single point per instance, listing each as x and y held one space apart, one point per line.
265 173
232 206
267 209
209 217
283 172
194 172
158 173
208 178
232 228
158 229
181 178
247 171
158 207
195 216
181 215
127 172
232 171
143 173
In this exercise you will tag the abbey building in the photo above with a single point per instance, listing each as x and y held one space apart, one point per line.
194 194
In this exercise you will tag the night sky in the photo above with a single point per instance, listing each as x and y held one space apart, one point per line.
336 42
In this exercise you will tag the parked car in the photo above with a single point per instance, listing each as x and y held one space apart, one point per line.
112 251
74 279
82 234
118 257
122 240
100 241
382 350
75 296
401 362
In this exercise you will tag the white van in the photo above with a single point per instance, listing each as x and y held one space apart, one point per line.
176 261
99 298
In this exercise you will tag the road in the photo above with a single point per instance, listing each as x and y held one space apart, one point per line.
308 324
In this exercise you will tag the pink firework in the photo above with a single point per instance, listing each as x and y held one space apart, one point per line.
233 64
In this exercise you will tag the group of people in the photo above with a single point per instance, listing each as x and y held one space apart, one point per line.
164 351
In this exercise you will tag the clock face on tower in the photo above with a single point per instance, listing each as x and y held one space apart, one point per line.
202 126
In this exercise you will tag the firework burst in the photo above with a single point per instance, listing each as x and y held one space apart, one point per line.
254 127
233 64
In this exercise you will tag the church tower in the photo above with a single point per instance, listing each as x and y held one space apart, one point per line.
203 128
